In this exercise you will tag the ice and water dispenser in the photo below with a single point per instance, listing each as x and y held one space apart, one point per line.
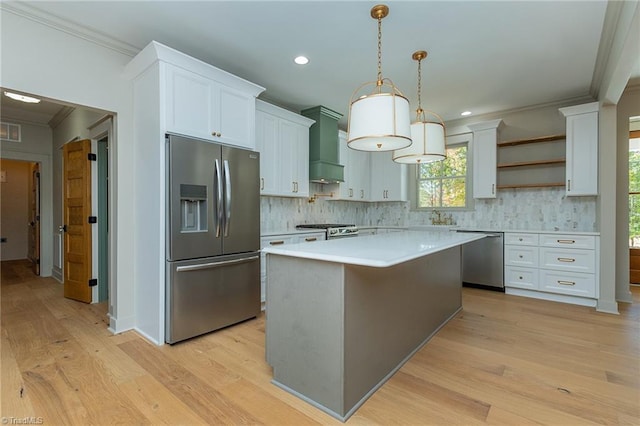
193 208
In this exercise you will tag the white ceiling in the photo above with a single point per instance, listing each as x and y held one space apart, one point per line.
483 56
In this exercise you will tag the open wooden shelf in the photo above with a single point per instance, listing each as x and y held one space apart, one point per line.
532 140
532 163
531 185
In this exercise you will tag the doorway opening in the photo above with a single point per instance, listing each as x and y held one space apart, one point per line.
46 128
20 215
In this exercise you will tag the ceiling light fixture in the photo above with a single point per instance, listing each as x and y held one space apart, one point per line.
301 60
380 120
465 113
428 136
22 98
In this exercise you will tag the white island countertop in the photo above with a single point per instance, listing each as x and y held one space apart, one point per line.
380 251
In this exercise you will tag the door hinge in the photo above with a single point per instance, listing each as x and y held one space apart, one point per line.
93 219
92 156
37 174
93 282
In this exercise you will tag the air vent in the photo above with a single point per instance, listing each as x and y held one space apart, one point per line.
10 132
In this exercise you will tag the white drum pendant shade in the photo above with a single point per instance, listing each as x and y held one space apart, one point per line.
379 122
428 144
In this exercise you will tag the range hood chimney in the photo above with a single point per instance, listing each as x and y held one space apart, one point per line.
323 146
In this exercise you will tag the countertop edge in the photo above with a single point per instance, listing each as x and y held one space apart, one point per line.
298 250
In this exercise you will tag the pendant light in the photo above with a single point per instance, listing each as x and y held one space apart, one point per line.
428 136
379 120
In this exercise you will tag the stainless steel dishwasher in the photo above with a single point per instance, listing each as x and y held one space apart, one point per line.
483 261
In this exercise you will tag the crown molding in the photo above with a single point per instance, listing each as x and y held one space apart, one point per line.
58 23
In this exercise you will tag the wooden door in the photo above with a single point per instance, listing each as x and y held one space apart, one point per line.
34 218
77 230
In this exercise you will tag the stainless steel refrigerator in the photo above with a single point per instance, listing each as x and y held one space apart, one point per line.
213 237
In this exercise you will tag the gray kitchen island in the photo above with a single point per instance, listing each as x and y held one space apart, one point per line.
342 316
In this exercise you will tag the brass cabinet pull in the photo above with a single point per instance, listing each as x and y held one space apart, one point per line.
261 184
519 278
309 239
566 241
561 282
216 134
566 259
350 192
520 256
569 185
520 239
276 243
362 193
493 188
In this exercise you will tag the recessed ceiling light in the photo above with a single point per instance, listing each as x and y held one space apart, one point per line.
21 98
301 60
465 113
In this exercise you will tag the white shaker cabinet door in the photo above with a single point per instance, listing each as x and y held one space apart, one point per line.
267 145
388 178
484 154
582 149
233 116
188 106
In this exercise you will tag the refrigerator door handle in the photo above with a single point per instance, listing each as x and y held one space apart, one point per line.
227 204
219 200
215 264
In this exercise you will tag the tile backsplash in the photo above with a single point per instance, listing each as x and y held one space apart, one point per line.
533 209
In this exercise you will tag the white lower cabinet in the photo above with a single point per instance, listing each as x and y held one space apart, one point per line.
278 240
560 267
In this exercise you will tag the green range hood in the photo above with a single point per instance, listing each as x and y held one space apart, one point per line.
323 146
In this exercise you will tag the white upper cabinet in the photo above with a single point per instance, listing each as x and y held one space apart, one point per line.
388 178
201 107
282 137
484 154
267 144
356 185
582 149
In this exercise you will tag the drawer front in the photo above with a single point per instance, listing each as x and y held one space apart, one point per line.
521 239
309 238
568 260
515 276
521 256
574 284
568 241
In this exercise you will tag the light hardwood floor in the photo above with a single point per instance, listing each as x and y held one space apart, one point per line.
503 360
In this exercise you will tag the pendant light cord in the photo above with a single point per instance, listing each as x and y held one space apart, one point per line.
379 81
419 110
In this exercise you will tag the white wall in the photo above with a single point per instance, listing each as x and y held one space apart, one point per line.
64 67
14 214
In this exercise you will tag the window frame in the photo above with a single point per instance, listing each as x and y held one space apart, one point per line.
451 142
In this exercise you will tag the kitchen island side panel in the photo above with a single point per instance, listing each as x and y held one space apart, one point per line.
391 312
304 328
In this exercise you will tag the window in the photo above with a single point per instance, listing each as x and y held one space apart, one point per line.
10 132
443 184
634 192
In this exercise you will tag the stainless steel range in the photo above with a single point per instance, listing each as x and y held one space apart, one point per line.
333 230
